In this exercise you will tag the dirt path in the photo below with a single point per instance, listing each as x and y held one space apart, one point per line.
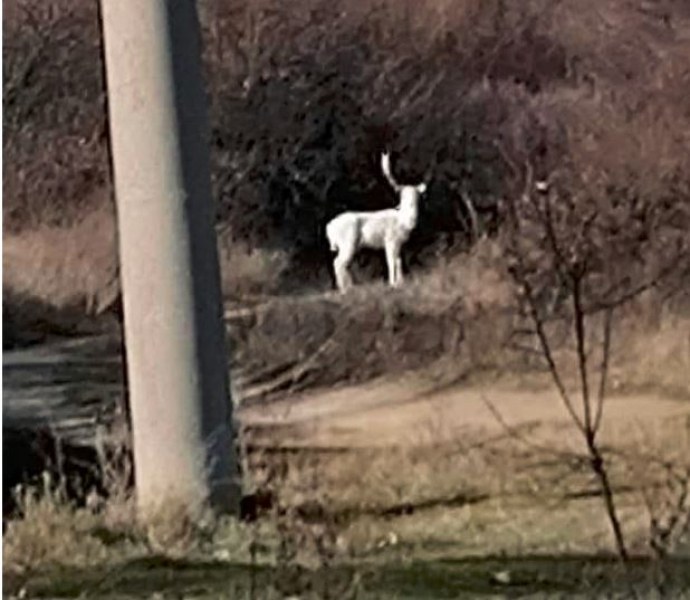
411 410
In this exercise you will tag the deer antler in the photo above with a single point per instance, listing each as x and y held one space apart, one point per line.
386 168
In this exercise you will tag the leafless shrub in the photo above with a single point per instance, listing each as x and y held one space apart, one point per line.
592 237
669 511
665 493
53 112
304 98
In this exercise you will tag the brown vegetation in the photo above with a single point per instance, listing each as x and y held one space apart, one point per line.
455 488
483 98
303 99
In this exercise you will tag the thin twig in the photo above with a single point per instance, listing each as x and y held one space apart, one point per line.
474 220
581 342
604 369
546 350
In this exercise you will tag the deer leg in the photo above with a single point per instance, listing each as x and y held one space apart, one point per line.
398 269
343 278
391 260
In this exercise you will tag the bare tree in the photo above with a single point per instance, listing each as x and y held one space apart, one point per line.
580 246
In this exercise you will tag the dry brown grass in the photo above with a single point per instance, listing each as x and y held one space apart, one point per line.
299 342
58 277
650 351
65 267
456 320
51 531
76 265
652 348
441 492
488 490
247 271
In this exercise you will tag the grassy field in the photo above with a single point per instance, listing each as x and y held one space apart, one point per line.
410 488
406 448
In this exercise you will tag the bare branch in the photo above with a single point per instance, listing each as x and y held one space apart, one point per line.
604 369
548 355
580 339
474 220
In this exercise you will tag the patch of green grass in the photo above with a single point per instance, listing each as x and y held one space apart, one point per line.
539 576
534 577
140 578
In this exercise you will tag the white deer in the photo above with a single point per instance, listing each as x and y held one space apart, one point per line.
385 230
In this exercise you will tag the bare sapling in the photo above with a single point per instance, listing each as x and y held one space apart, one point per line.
572 240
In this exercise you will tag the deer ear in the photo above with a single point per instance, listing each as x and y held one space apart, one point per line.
421 188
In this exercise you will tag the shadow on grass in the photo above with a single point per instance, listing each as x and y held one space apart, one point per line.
140 578
539 577
29 321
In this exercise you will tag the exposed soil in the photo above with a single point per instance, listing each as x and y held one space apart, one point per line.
413 410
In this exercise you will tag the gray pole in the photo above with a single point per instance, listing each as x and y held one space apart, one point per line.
174 332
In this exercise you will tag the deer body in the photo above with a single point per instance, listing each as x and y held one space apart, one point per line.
386 230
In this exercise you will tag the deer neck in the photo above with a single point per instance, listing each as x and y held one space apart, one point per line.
407 209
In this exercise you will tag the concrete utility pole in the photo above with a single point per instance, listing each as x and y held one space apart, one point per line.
174 332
